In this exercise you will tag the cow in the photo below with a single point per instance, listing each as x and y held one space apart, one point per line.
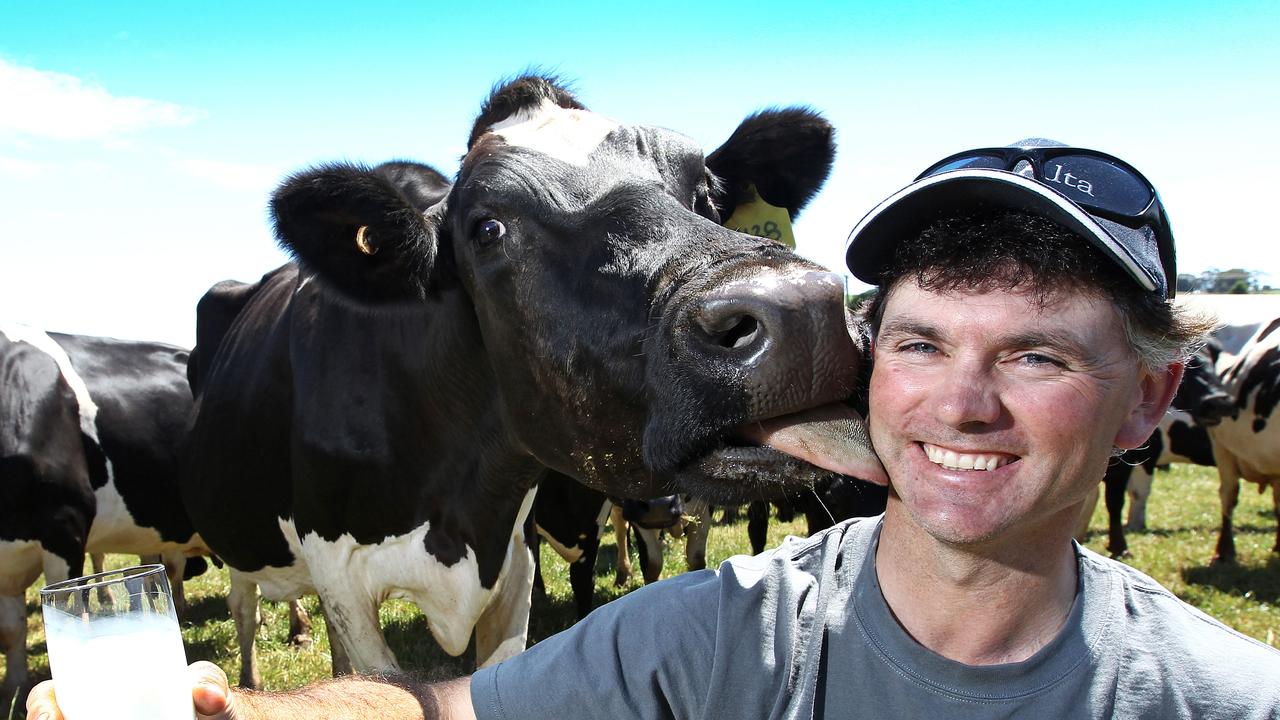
1246 443
569 516
374 417
1181 436
828 502
1178 438
685 517
89 442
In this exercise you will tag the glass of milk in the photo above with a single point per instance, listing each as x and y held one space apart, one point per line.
115 648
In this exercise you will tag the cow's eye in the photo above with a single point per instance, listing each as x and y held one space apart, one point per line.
489 231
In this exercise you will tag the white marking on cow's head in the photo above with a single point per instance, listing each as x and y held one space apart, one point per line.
566 134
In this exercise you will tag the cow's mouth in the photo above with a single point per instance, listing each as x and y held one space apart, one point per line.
765 458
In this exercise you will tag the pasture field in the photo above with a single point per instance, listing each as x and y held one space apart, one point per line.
1182 515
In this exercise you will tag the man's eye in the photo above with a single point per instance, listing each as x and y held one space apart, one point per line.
1039 360
920 347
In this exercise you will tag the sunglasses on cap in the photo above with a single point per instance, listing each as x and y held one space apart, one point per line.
1104 185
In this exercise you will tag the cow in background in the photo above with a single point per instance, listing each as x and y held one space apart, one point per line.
372 421
89 439
687 518
830 501
569 516
1246 443
1178 438
1182 436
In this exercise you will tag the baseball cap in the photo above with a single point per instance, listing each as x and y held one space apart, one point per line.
1095 195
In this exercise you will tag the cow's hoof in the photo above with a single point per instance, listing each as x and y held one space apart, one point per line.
301 640
1222 560
1122 555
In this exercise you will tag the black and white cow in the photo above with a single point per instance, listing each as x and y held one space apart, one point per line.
830 501
685 518
1246 444
1181 436
89 440
570 517
373 421
1178 438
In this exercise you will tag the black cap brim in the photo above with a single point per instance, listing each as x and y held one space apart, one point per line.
910 210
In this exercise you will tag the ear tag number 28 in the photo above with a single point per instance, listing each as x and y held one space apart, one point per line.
759 218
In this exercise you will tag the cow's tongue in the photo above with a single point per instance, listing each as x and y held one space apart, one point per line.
833 437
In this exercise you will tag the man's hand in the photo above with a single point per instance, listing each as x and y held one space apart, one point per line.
209 692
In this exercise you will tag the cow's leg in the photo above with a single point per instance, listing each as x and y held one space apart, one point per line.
540 587
1229 495
757 525
299 625
13 643
98 562
730 514
695 535
1115 485
649 545
243 601
1086 514
503 627
338 657
1139 490
582 575
175 565
620 537
353 616
1275 502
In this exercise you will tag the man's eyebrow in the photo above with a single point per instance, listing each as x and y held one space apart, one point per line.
908 326
1061 342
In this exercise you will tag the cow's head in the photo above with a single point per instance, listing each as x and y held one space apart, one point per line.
632 338
1202 393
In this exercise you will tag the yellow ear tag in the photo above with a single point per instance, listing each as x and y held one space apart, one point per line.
759 218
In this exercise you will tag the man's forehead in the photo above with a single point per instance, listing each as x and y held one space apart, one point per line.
1070 310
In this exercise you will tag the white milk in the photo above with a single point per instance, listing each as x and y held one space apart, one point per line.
126 668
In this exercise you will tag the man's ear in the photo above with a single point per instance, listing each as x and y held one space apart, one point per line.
786 154
358 231
1155 393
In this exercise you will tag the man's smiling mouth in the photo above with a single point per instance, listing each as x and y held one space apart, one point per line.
953 460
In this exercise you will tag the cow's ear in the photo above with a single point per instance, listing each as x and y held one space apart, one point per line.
786 154
358 231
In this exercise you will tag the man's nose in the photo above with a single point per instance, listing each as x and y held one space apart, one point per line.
966 395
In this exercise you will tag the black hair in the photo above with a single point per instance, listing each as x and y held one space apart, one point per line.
989 249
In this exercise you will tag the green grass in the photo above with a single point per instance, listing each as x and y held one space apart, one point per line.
1183 520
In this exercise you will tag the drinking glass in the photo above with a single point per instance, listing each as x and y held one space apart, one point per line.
115 648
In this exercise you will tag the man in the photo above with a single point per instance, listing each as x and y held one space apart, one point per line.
1022 335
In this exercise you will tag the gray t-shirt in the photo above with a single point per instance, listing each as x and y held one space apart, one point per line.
803 631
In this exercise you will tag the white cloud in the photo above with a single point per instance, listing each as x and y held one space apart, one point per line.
53 105
232 176
22 169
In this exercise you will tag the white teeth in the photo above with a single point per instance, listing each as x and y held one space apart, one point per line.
957 461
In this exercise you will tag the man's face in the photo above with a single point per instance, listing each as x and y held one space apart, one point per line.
995 414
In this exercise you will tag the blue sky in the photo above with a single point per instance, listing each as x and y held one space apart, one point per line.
138 144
